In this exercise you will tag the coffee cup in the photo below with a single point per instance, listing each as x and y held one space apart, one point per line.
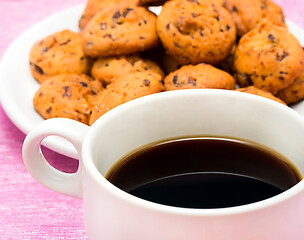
111 213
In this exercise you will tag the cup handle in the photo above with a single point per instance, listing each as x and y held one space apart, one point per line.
40 169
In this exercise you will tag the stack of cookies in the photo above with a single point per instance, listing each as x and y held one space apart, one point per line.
124 51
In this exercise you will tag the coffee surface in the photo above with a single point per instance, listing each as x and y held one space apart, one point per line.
204 173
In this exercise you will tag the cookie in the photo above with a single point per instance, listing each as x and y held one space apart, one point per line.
94 6
247 14
58 53
67 95
268 57
107 69
199 76
126 88
259 92
120 31
293 92
196 31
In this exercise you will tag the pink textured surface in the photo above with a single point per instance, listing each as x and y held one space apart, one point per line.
28 210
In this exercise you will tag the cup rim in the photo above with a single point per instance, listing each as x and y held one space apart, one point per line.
91 168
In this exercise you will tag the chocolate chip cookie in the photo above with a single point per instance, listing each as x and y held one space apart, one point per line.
108 69
67 95
126 88
268 57
120 31
247 14
58 53
196 31
199 76
94 6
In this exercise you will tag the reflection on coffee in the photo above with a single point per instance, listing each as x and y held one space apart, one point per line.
204 173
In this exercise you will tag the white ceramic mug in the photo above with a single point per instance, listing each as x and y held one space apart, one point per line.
111 213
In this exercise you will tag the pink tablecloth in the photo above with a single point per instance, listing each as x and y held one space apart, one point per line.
28 210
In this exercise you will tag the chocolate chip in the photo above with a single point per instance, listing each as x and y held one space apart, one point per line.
175 79
162 81
201 33
280 57
83 84
93 92
281 72
194 15
227 27
67 92
264 5
234 9
191 81
281 78
107 36
45 49
49 110
141 37
177 45
194 1
38 69
40 94
146 82
263 77
211 53
271 37
116 15
103 25
168 27
66 42
89 43
145 21
125 13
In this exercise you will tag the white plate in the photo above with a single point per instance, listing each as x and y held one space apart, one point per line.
18 86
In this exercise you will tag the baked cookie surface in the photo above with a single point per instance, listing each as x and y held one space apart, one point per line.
196 31
247 14
126 88
108 69
260 92
94 6
58 53
199 76
120 31
67 95
268 57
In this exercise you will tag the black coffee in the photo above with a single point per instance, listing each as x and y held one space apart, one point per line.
204 173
